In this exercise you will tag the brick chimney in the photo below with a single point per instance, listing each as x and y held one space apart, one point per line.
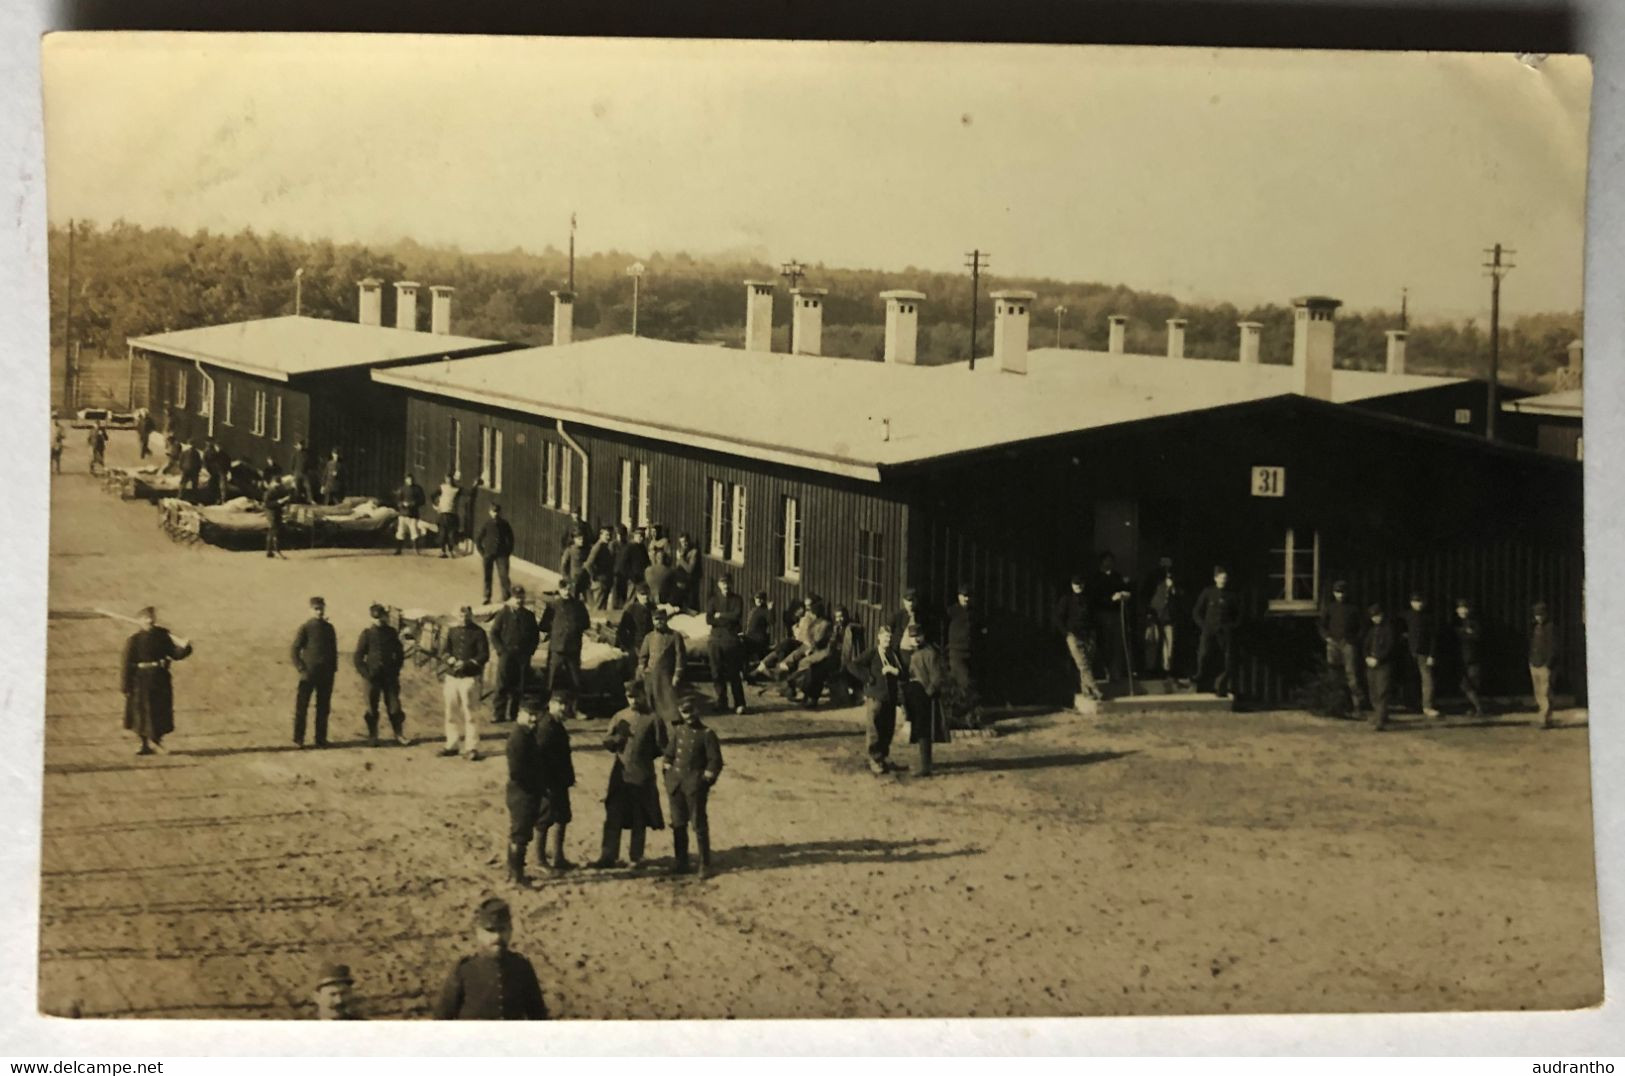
371 305
564 317
1116 327
1251 335
1314 344
440 308
1577 350
759 315
406 305
807 319
902 325
1396 351
1176 338
1011 311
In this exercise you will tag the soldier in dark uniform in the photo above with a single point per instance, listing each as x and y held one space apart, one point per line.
879 671
494 983
409 501
525 790
332 992
190 463
1468 632
143 432
637 739
964 639
272 472
758 637
725 613
98 447
558 776
299 468
637 620
515 635
631 561
218 461
149 699
565 624
1340 627
378 658
1543 651
924 674
1421 640
495 543
333 479
278 495
1379 652
1108 593
1217 614
316 656
693 764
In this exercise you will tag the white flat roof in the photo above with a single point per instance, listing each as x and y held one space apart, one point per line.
1566 404
282 347
847 416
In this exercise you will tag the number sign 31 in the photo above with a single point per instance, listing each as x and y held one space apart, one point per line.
1269 481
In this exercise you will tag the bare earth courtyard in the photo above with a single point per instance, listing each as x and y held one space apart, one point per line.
1162 864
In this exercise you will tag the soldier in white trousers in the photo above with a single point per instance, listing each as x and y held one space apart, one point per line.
465 652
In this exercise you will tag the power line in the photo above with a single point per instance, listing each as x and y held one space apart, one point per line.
975 261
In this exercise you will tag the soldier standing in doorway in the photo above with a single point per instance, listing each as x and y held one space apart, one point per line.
964 638
1076 624
1217 614
1108 594
316 657
333 479
1165 608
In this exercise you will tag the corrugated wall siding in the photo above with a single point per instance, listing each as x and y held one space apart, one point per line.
238 438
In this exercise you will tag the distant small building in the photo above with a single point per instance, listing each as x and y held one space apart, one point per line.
256 387
1558 421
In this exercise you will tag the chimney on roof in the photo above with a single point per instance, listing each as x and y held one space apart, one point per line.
371 306
1116 326
406 305
902 325
440 308
807 319
564 317
1250 336
1396 351
1314 339
1011 310
1176 338
1577 352
759 315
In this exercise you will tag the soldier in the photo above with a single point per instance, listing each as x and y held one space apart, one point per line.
558 777
465 651
660 666
880 671
637 739
378 658
758 637
725 613
631 561
190 463
445 508
658 577
1108 593
278 495
272 472
1421 639
143 431
565 623
1340 626
316 656
1469 637
964 639
515 635
149 699
58 441
494 983
1542 660
299 468
1165 603
98 447
637 620
1217 613
685 574
524 792
573 563
911 614
1074 620
409 501
601 567
332 992
693 764
925 673
1379 665
218 461
495 543
333 479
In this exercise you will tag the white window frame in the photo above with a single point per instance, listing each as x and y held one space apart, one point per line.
716 537
550 463
258 420
180 387
737 519
567 480
629 472
205 402
644 515
231 399
792 538
276 419
491 458
1291 582
457 446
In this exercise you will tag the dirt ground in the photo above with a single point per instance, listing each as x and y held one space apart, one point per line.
1160 864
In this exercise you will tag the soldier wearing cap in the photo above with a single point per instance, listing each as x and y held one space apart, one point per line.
378 658
465 652
494 983
693 764
1542 659
1340 627
637 620
149 699
1422 639
565 624
1468 633
332 992
637 739
964 640
661 658
1379 664
725 648
515 635
558 777
316 656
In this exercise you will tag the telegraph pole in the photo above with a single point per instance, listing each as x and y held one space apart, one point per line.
1497 268
67 330
572 253
792 271
976 261
1404 308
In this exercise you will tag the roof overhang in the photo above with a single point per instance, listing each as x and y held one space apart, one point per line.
1536 406
174 351
812 461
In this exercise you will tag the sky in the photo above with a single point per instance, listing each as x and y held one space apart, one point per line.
1248 176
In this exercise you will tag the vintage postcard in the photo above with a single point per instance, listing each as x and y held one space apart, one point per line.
610 529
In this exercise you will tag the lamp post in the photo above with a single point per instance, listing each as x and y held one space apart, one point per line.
792 271
635 271
298 290
1058 312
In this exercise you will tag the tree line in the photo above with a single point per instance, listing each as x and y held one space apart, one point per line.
130 280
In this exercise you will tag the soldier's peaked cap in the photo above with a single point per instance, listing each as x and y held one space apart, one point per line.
1375 609
1539 607
1340 584
333 973
493 913
376 610
318 603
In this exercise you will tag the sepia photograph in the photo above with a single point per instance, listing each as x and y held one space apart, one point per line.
930 531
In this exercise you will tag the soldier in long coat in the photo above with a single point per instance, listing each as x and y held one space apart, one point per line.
661 657
924 675
637 739
149 700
